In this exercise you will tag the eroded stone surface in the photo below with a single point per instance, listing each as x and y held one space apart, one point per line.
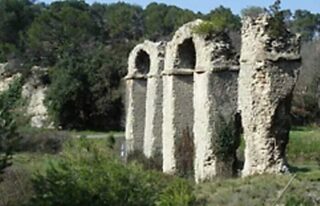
269 71
5 79
34 91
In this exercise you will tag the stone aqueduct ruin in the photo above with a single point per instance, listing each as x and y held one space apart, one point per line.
196 85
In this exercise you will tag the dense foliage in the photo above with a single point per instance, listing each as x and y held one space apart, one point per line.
86 48
8 134
219 20
87 174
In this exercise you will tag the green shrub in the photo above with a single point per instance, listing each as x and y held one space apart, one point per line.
277 26
8 138
87 174
8 135
296 201
220 20
178 193
111 141
210 28
228 139
10 98
152 163
42 141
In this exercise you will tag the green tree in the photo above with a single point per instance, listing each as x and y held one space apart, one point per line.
154 15
16 16
68 97
161 20
8 135
225 15
64 27
219 20
277 23
124 21
252 11
306 23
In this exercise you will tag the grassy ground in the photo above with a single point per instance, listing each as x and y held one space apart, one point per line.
264 190
304 158
304 145
303 154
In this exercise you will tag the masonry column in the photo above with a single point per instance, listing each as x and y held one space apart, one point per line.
216 132
268 74
136 90
178 112
153 122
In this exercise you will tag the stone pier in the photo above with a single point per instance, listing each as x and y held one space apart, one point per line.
269 71
136 92
153 121
216 132
178 109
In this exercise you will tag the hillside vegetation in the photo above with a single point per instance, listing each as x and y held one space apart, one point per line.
86 47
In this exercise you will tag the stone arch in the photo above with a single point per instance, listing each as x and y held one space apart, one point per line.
142 62
186 57
200 93
143 93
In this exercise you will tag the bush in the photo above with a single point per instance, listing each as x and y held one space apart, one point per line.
87 174
277 26
210 28
220 21
42 141
8 135
152 163
8 139
179 193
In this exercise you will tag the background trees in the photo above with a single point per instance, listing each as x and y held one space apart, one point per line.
86 49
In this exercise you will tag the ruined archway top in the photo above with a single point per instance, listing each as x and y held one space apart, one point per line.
155 51
286 47
212 52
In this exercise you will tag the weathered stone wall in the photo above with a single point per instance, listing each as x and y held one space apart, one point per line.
269 70
215 103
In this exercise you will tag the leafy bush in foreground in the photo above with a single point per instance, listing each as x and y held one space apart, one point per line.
88 175
8 135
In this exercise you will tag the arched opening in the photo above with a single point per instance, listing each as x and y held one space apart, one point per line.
143 62
187 54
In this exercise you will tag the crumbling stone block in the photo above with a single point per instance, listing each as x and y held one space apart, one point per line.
269 71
